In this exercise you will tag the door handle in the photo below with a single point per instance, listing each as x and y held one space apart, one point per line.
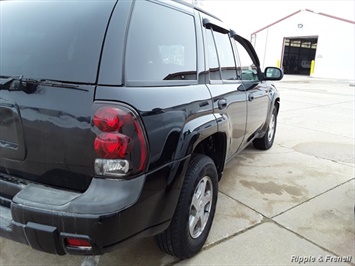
251 97
222 104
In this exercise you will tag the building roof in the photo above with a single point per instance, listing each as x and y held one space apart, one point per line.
304 10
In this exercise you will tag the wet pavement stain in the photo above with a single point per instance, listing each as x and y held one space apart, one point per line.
337 152
341 224
350 193
273 188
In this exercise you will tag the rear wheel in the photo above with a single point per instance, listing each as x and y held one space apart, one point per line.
267 140
195 210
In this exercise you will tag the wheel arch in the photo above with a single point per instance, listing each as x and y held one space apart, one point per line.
201 136
214 146
277 104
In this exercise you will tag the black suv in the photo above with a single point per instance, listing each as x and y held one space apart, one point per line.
116 121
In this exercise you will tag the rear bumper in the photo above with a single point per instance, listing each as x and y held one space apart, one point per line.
107 214
43 217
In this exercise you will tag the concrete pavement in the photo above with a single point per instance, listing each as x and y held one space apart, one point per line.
293 204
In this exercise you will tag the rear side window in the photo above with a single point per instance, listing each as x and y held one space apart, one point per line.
226 56
220 54
57 40
161 44
212 57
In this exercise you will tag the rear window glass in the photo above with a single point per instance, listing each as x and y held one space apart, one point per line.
161 44
57 40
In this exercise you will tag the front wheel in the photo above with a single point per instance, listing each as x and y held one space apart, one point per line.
267 141
195 210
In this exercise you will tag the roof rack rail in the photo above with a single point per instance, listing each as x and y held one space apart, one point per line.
196 8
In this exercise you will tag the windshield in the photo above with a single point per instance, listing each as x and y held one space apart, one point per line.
57 40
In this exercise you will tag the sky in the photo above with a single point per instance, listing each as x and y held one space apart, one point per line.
246 17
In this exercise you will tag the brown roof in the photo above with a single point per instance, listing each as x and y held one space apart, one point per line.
308 10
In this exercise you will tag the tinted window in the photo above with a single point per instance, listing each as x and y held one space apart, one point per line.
57 40
212 57
161 44
248 70
225 55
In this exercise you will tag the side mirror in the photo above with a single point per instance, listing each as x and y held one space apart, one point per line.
273 73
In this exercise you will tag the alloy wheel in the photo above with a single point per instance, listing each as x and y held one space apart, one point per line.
200 207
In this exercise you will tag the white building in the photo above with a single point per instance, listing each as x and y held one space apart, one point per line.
294 41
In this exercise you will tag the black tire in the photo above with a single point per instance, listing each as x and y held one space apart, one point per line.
267 140
181 239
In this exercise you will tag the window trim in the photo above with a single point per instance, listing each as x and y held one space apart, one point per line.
158 83
215 25
248 47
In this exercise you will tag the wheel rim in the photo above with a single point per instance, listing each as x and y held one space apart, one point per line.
271 131
200 207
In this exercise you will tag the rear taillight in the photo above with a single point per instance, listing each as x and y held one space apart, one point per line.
112 145
120 143
110 119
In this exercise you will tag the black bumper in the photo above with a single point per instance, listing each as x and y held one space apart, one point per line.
106 215
43 217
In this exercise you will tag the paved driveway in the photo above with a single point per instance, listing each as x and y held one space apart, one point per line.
286 206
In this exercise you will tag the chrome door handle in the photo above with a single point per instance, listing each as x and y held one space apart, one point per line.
222 104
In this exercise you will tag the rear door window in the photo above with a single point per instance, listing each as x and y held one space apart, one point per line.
161 45
212 57
57 40
226 56
220 54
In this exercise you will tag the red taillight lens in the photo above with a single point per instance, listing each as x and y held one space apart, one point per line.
77 243
112 145
109 119
120 141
